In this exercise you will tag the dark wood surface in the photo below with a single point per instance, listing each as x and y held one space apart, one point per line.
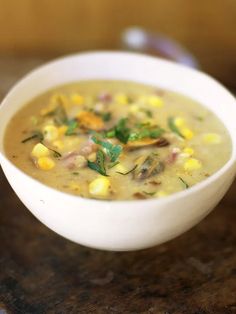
40 272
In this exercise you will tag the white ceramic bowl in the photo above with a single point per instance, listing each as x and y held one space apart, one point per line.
121 225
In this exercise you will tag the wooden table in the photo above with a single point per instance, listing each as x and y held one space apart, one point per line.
40 272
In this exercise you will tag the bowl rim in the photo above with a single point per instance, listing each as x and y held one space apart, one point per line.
151 201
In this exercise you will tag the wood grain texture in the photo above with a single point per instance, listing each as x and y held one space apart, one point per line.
40 272
52 27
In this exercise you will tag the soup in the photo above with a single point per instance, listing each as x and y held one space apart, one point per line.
116 140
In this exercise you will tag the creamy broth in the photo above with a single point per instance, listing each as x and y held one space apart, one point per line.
116 140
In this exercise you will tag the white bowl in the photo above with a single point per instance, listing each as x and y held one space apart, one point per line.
121 225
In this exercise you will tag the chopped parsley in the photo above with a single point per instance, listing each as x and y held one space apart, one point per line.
112 151
106 116
173 127
56 154
122 132
99 164
149 193
143 132
35 135
184 183
72 126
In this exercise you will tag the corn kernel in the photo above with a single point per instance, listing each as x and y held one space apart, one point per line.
155 101
161 194
62 130
187 133
188 150
121 99
192 164
212 138
77 99
99 187
58 144
46 163
50 133
40 150
179 122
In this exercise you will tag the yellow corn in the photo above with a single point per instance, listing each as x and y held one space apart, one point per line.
192 164
99 187
121 99
40 150
188 150
179 122
155 101
212 138
46 163
50 133
187 133
77 99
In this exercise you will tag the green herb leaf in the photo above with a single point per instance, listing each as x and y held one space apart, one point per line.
72 126
173 127
35 135
125 173
122 132
99 165
56 154
112 151
150 193
146 132
148 113
60 116
184 183
110 133
75 173
106 116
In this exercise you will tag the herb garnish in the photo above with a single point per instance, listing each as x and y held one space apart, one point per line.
112 151
106 116
72 126
125 173
99 165
35 135
122 132
184 183
148 113
60 116
56 154
173 127
153 132
149 193
110 133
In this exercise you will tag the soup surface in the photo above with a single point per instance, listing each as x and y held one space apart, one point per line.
116 140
